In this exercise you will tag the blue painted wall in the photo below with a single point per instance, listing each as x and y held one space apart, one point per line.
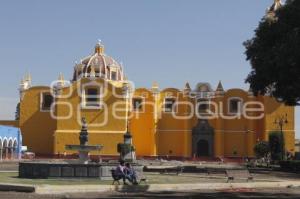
11 134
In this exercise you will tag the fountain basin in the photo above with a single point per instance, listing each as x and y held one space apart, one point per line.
44 169
86 148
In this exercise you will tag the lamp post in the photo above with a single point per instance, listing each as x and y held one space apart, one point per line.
281 121
126 93
126 149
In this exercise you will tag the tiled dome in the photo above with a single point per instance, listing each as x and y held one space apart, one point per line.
98 65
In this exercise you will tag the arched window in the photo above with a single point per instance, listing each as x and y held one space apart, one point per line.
4 149
46 101
235 105
10 149
137 104
1 149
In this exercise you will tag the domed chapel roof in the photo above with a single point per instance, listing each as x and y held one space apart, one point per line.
98 64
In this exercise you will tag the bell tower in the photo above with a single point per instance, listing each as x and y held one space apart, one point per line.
25 84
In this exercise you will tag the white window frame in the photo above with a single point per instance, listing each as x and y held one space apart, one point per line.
115 70
84 97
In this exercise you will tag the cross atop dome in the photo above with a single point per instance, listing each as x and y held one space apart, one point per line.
99 48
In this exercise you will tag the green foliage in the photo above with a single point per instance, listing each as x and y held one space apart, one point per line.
262 149
276 143
274 54
17 113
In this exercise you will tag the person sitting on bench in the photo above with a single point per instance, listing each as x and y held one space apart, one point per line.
120 171
131 174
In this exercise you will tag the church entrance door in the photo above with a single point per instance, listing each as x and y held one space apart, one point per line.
202 148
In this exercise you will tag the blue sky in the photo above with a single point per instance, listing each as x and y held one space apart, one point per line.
168 41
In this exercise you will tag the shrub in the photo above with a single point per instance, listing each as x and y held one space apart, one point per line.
262 149
276 143
290 165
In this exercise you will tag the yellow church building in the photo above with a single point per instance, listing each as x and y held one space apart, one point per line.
198 122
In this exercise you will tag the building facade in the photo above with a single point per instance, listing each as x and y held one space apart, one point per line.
204 121
10 143
297 145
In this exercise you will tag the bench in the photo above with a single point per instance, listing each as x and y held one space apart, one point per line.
238 174
177 170
116 178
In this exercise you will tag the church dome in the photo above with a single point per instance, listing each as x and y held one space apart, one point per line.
98 65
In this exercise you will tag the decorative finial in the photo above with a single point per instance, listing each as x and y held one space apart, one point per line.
187 86
220 87
27 77
24 84
220 90
22 81
61 77
154 84
99 48
155 88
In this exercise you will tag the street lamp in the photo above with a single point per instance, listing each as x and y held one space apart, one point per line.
126 94
281 121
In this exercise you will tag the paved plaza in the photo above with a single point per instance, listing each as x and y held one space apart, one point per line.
158 185
288 193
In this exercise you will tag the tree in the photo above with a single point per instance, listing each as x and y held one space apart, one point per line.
276 143
262 149
17 113
274 54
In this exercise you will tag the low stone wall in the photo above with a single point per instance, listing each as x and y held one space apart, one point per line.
68 170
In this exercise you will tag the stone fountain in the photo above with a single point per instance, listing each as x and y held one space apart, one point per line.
80 168
84 149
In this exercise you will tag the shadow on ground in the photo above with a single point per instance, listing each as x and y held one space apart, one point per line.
223 195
